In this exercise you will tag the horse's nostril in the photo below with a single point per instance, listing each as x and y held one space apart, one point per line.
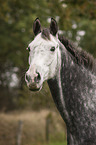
37 78
28 78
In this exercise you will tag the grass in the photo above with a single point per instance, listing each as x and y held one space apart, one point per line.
57 143
34 125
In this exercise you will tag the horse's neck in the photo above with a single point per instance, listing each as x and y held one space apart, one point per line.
73 91
57 88
73 87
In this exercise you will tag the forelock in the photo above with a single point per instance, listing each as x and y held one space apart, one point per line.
45 34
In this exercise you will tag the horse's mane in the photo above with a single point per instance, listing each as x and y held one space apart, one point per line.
81 57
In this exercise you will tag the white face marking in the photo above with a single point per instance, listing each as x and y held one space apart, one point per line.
42 59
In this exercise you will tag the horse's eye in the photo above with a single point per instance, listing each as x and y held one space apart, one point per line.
28 48
52 48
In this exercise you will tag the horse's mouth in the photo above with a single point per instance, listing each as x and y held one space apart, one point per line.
34 87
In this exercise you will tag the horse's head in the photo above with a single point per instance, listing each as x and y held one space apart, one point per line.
43 55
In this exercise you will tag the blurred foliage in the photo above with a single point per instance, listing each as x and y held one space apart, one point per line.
76 19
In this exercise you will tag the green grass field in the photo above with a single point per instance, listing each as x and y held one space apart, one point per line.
57 143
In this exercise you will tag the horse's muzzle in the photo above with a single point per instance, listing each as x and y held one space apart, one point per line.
33 82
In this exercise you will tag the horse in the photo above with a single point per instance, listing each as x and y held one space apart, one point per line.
71 76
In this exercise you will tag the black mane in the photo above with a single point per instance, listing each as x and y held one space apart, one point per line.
81 57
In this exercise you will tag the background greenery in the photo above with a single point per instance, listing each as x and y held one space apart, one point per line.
76 20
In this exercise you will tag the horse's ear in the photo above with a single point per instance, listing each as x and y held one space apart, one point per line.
53 27
36 26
